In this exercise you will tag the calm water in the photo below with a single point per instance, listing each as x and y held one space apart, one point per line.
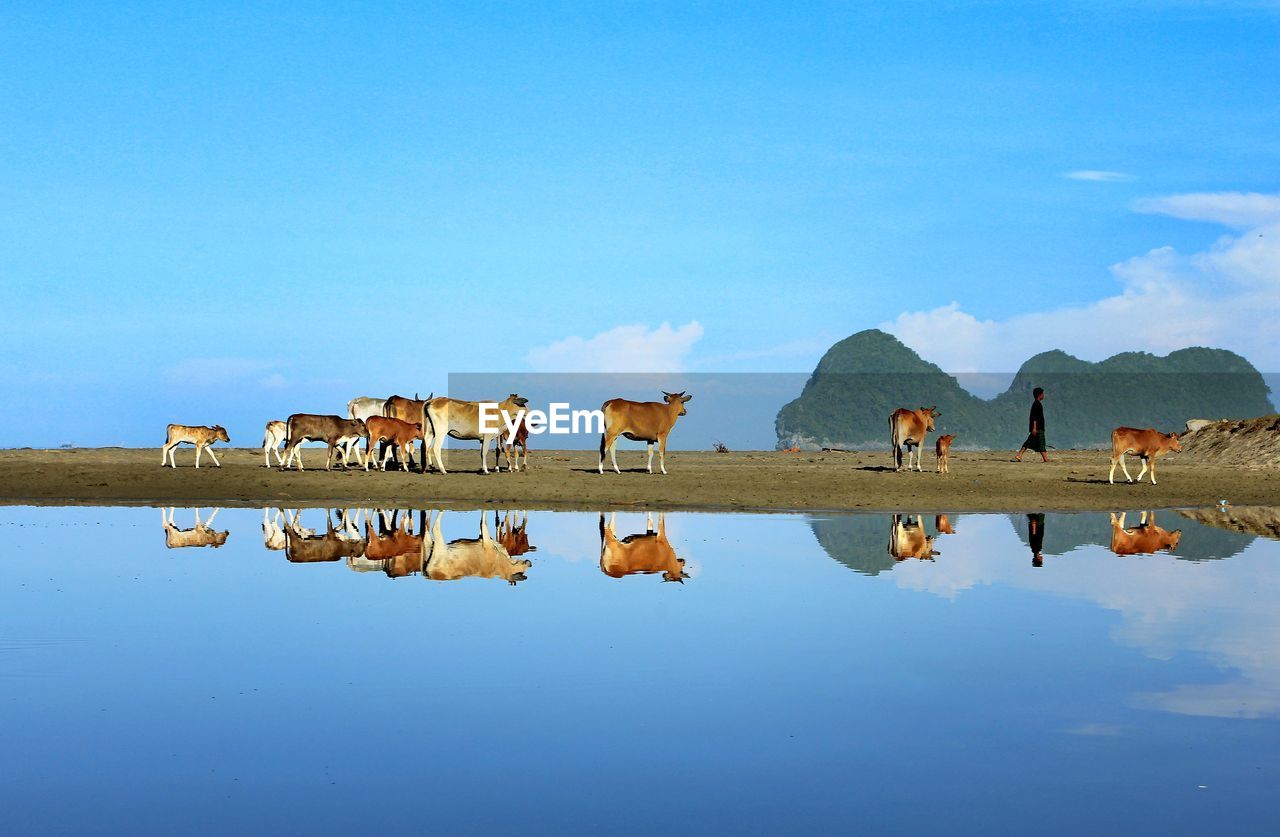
800 678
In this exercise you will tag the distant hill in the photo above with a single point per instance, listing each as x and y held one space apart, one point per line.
862 379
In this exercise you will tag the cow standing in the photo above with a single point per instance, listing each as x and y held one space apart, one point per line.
334 431
200 436
1147 444
908 428
399 435
461 420
641 421
943 450
272 439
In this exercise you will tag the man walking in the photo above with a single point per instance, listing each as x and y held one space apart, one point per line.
1035 424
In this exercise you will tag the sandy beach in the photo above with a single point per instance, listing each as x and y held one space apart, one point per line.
756 480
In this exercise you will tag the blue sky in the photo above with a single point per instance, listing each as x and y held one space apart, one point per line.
212 211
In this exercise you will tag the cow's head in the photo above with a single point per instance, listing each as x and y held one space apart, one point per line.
678 574
1174 442
364 428
1174 537
677 398
929 414
518 400
517 574
220 432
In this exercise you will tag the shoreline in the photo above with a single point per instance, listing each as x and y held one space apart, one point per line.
748 481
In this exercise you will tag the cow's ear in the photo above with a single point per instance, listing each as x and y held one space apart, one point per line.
686 397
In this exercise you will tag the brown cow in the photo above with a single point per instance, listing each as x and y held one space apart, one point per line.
908 428
907 539
512 534
398 435
482 557
400 551
943 450
333 545
1144 539
944 525
1147 444
641 421
200 436
334 431
643 554
411 410
461 420
201 535
508 444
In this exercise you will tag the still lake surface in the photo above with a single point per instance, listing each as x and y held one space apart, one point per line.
800 678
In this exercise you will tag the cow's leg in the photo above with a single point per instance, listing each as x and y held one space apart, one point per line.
199 448
1153 470
1124 466
604 446
1143 472
649 447
1111 476
436 444
662 454
613 455
328 457
214 458
407 450
164 455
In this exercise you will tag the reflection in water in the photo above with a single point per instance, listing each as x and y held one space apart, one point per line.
639 554
907 539
303 546
1144 539
202 534
1035 538
481 557
391 544
1126 658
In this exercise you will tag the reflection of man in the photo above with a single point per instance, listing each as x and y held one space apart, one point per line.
1035 537
1035 428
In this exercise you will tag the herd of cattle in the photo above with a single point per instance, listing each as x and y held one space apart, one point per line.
397 423
391 543
394 425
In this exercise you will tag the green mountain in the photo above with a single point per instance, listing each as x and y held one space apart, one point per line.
862 379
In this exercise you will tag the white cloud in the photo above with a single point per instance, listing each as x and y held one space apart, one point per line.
1227 296
1231 209
627 348
1099 176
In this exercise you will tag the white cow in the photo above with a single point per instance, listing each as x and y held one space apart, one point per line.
272 440
362 407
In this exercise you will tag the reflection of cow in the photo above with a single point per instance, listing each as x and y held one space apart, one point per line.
907 539
482 557
399 551
1144 539
512 536
201 535
644 554
944 525
333 545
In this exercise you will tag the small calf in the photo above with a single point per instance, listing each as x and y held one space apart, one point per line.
943 449
277 432
198 435
398 434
